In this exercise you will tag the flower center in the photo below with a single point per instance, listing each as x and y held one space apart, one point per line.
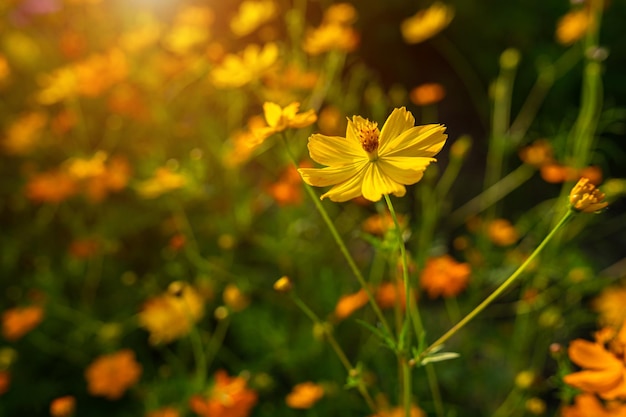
368 136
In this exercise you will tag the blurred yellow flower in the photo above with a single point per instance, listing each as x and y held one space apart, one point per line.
243 143
340 13
90 77
572 26
248 66
234 298
145 32
109 376
330 37
251 15
24 133
63 406
279 119
229 397
16 322
427 23
610 306
172 314
443 276
586 198
163 181
304 395
191 28
370 162
399 412
350 303
82 168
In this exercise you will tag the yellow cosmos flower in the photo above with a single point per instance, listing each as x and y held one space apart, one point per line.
249 65
427 23
279 119
251 15
370 162
586 198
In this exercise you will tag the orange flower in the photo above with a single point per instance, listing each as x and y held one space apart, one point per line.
5 381
586 198
603 370
350 303
171 315
399 412
573 26
426 94
63 406
51 187
556 173
164 412
304 395
23 135
537 154
288 189
427 23
84 248
443 276
109 376
389 295
502 232
330 37
234 298
229 397
588 405
18 321
380 224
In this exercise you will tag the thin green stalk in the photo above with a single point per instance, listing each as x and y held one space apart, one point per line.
335 346
503 287
342 246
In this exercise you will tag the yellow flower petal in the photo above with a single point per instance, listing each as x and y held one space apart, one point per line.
322 177
404 170
398 121
591 355
273 113
346 190
303 119
422 141
334 150
376 183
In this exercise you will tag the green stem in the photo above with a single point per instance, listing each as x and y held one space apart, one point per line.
503 287
335 346
342 246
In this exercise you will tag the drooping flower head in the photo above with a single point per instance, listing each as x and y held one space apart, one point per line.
371 162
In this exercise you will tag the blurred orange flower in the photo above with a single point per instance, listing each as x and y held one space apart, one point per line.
573 26
190 29
502 232
5 381
51 187
399 412
588 405
427 23
229 397
164 412
379 224
234 298
24 133
330 37
163 181
109 376
427 94
248 66
251 15
18 321
603 366
331 121
63 406
445 277
538 153
84 248
390 294
172 314
288 189
5 70
348 304
304 395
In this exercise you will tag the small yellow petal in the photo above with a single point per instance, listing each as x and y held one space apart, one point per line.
273 113
303 119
